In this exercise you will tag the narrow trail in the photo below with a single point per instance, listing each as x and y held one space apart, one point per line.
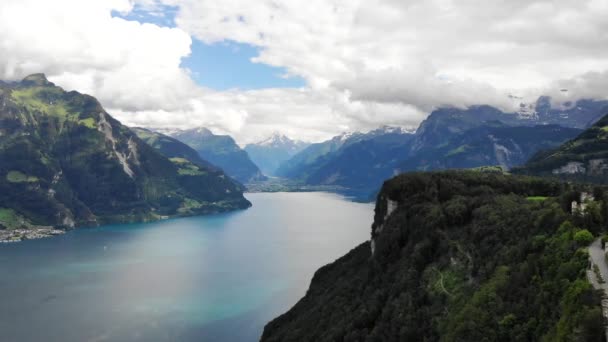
597 257
440 281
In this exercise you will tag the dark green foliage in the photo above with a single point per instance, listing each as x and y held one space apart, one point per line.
583 237
65 162
465 256
170 147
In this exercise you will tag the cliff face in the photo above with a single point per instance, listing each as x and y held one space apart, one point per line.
456 256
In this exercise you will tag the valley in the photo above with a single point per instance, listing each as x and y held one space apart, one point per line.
444 246
303 171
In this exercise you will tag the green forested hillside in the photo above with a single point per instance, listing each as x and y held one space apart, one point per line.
65 162
222 151
584 158
170 147
459 256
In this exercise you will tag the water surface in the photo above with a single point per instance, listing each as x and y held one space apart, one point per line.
210 278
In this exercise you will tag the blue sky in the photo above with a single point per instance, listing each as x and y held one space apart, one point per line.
223 65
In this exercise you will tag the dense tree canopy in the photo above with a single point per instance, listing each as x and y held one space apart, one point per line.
465 256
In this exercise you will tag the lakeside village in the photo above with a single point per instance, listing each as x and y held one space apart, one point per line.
17 235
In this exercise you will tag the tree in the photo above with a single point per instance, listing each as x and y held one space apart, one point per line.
583 237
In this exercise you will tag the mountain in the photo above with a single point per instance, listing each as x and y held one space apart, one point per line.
579 114
298 165
493 143
364 164
448 139
583 158
314 156
357 161
459 256
222 151
269 153
442 124
170 147
65 162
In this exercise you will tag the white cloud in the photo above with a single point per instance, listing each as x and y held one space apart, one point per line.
252 115
366 63
79 45
423 53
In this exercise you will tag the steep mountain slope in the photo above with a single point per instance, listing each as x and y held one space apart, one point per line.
583 158
270 153
66 162
442 124
300 164
458 256
222 151
363 165
313 158
183 154
448 139
491 144
170 147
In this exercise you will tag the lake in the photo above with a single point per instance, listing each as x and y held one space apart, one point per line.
206 278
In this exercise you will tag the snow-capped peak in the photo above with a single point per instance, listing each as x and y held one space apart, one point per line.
275 139
346 135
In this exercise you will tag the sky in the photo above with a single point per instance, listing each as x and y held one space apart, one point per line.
310 69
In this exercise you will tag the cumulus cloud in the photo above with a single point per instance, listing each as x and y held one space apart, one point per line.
421 53
301 113
366 63
79 44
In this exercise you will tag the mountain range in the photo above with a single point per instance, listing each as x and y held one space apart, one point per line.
359 161
270 153
65 162
448 138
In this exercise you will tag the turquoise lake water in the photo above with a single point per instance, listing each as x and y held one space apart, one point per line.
209 278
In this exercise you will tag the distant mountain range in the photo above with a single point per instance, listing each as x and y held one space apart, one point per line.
576 114
442 124
359 161
270 153
449 138
220 150
65 162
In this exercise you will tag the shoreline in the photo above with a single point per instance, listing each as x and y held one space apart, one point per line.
8 236
18 235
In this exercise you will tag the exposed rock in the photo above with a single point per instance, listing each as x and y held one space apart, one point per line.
570 168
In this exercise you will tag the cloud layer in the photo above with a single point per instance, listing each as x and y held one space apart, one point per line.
366 63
